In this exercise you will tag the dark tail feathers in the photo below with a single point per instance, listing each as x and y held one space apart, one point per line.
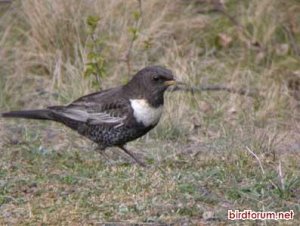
43 114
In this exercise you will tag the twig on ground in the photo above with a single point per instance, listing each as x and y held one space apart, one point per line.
193 89
281 176
258 160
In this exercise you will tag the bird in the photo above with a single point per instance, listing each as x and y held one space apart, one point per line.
115 116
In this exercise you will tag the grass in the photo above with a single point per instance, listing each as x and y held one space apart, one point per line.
217 151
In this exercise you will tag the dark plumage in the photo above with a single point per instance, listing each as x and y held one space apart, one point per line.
114 116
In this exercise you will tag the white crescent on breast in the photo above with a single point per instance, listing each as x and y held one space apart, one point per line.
145 113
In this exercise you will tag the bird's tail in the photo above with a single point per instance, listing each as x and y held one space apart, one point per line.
43 114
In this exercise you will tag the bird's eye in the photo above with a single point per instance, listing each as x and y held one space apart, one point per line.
155 77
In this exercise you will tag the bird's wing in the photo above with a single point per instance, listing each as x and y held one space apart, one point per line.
95 113
96 109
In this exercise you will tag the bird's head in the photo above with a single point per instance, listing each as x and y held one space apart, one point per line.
151 83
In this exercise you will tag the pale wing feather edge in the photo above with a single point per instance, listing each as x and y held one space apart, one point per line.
92 118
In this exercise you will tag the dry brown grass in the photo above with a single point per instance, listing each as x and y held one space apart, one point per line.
199 153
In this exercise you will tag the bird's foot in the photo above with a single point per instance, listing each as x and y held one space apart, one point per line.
132 156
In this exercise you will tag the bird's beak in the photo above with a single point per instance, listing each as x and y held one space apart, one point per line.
170 82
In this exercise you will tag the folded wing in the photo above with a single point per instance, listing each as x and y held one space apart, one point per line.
96 109
93 116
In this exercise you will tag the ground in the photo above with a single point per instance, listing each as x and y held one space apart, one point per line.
213 151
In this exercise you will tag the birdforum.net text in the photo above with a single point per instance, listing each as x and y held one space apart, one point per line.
253 215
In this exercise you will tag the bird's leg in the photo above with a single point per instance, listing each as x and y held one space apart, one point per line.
132 156
103 153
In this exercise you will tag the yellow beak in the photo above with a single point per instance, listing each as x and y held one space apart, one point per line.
170 83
